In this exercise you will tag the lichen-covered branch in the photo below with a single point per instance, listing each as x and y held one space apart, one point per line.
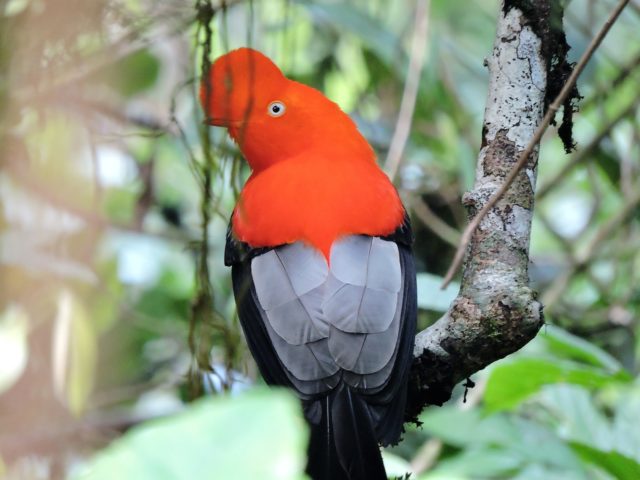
496 312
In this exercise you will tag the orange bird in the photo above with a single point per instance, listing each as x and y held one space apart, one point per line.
320 249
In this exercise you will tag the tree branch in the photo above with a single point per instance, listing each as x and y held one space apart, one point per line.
533 143
496 312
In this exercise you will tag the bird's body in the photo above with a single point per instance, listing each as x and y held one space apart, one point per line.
323 274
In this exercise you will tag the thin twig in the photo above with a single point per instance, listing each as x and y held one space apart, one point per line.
434 223
627 71
586 31
524 157
426 456
410 94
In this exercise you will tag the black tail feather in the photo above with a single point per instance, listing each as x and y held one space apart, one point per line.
343 444
323 463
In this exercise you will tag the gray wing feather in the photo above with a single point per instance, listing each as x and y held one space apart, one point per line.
378 379
363 284
383 272
293 321
345 348
363 353
271 281
291 295
349 259
367 261
357 309
305 266
377 350
305 362
328 323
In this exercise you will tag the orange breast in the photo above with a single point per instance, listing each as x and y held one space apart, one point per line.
316 201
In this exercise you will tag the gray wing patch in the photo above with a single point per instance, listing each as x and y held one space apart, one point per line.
363 353
310 366
367 261
363 285
328 323
289 285
377 379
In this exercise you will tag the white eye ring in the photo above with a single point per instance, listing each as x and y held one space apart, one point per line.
276 109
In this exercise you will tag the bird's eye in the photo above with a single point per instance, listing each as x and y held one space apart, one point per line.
276 109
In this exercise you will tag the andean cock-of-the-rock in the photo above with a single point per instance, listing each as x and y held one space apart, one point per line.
320 250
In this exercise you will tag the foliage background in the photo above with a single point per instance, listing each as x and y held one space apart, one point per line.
112 294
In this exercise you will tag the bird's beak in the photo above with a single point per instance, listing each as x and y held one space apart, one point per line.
218 122
221 122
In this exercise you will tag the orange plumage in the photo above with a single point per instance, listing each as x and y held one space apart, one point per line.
314 176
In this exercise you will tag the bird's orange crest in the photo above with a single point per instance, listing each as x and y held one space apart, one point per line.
314 175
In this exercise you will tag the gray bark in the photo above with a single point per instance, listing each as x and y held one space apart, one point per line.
495 312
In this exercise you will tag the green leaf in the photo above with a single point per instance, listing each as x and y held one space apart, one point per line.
480 462
431 296
577 415
618 465
626 434
512 382
543 472
562 342
466 429
258 435
463 428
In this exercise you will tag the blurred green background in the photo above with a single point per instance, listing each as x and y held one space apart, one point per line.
121 354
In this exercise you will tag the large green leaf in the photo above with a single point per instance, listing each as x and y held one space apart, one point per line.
544 472
564 343
618 465
626 434
463 428
513 381
467 429
478 463
576 415
258 435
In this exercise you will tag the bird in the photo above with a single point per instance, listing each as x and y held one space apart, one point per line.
320 249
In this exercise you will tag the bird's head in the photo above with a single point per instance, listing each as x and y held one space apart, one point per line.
271 117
